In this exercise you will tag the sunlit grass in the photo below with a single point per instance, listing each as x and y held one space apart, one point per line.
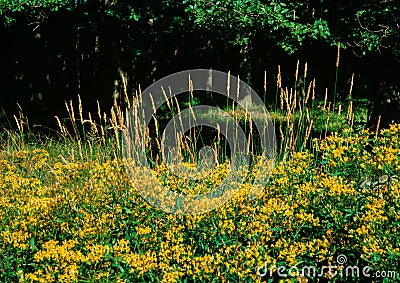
70 213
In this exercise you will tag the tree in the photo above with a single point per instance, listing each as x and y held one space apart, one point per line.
80 47
239 22
144 37
369 29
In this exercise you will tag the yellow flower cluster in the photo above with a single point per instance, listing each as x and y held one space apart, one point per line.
86 222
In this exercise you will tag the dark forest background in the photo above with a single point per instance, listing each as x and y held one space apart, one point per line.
54 50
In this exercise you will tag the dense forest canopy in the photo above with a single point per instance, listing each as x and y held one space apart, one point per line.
56 49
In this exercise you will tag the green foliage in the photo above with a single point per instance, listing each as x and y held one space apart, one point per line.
10 8
146 34
365 26
239 21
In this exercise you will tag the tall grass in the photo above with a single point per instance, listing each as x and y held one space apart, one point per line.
299 114
88 224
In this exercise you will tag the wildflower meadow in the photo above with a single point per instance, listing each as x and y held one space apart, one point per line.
330 211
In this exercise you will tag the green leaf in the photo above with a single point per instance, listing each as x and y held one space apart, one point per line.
276 229
32 243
